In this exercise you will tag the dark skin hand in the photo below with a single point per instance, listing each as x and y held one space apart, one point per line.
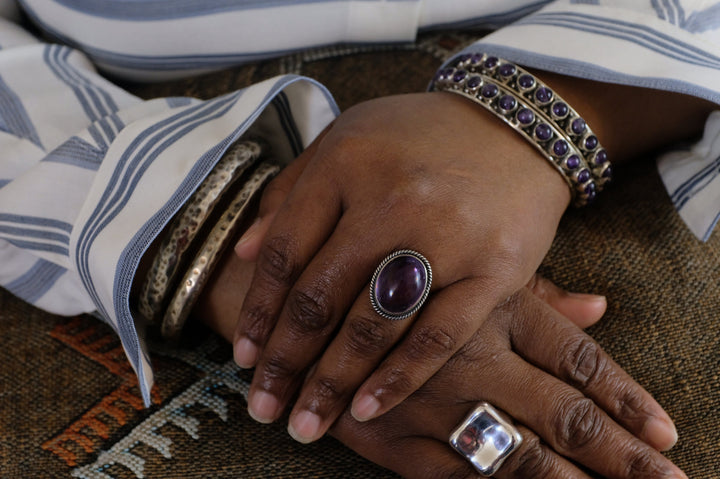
571 402
431 172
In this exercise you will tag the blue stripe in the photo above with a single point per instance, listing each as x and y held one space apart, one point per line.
106 210
77 152
709 231
703 20
14 119
173 9
670 12
635 33
102 99
31 233
178 101
490 21
4 182
36 221
684 192
282 106
37 281
37 246
680 12
659 11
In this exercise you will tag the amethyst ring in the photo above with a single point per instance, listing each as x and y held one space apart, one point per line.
400 284
485 439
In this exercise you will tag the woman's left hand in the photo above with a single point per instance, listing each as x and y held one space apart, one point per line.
430 172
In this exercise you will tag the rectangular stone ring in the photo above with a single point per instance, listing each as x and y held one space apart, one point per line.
485 439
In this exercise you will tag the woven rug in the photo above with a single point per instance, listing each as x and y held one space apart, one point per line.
69 402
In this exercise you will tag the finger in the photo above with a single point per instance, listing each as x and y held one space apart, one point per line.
275 194
582 309
569 422
300 227
535 459
309 318
566 352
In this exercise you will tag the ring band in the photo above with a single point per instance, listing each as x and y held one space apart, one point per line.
485 439
401 284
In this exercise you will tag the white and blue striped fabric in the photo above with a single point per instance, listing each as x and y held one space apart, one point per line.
89 174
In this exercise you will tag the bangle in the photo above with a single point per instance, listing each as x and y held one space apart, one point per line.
180 236
537 113
200 269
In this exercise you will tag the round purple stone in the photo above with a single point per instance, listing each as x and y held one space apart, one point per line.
543 95
474 82
460 75
601 157
507 69
560 109
607 173
543 132
464 57
572 162
446 73
590 188
591 142
525 116
583 176
578 126
491 62
476 58
507 102
560 148
400 285
591 196
526 81
489 90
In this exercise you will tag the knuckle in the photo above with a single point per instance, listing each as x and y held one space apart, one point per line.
310 309
577 424
258 320
645 463
367 336
276 368
328 389
532 461
397 381
278 259
582 361
430 342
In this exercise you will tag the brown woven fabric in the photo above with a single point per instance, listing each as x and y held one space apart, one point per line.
67 394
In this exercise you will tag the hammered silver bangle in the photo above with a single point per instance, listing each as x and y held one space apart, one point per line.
177 242
202 266
531 108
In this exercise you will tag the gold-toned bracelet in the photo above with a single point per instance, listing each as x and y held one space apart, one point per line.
177 242
214 245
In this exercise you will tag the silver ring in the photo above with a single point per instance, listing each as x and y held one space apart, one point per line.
401 284
485 439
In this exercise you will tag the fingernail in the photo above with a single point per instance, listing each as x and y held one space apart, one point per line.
263 407
660 433
365 407
304 427
249 233
246 353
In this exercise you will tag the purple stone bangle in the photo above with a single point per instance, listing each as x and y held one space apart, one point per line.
535 111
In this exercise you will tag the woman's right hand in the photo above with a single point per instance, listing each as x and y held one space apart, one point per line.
576 409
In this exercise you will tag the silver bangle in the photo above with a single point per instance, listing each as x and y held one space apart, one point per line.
199 271
537 113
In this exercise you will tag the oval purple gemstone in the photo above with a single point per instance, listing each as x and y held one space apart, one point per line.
489 90
525 116
507 69
583 176
464 57
590 188
578 126
491 62
572 162
591 196
544 95
401 284
476 58
474 82
560 148
507 102
543 132
601 157
591 142
607 173
526 81
560 109
459 76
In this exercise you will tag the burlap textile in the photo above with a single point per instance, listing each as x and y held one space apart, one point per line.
69 402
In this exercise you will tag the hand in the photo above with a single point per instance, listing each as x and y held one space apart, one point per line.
572 404
490 207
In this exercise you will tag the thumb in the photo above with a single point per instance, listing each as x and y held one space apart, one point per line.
582 309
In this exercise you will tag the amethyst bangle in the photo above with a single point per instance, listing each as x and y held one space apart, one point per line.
537 113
